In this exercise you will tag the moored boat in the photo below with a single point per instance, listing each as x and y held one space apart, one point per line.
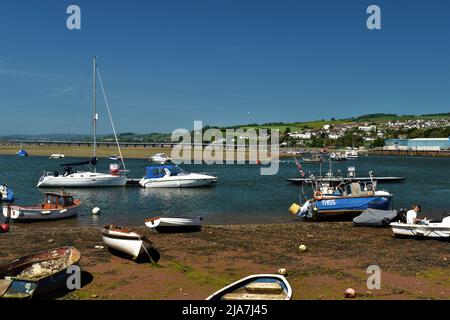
127 241
165 224
6 194
37 274
90 178
160 158
256 287
172 176
55 206
425 229
56 156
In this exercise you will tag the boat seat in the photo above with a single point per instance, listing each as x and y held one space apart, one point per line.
253 296
264 287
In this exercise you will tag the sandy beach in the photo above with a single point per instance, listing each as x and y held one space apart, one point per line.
193 265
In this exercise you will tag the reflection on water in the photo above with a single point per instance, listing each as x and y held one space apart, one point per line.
241 194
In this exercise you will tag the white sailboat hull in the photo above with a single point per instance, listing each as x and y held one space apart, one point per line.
82 180
180 181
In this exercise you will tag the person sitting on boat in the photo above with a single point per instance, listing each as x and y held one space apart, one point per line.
411 215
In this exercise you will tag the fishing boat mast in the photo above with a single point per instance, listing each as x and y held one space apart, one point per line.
94 121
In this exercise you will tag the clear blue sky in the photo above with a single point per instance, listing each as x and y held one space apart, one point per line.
168 63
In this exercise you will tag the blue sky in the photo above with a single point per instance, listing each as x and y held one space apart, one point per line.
167 63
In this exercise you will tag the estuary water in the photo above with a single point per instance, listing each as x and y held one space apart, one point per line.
241 194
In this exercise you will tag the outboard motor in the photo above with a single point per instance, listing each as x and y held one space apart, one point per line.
402 215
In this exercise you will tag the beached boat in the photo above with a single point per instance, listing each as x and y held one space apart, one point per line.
56 156
22 153
160 158
172 176
6 194
37 274
55 206
256 287
90 178
425 229
127 241
342 202
164 224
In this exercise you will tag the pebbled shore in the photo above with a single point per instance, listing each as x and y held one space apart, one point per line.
193 265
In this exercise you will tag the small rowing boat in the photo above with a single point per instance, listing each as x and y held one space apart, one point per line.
425 229
128 242
163 224
256 287
55 206
37 274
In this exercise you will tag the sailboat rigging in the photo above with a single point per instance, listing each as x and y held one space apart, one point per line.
68 178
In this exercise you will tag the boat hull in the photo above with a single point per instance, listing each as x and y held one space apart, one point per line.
22 214
433 230
131 244
349 207
82 180
174 224
188 181
23 287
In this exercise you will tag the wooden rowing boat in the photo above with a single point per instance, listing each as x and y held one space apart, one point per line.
37 274
256 287
128 242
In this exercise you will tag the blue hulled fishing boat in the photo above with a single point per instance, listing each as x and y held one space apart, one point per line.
6 194
342 202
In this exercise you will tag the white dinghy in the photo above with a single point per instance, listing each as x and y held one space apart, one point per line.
128 242
425 230
163 224
256 287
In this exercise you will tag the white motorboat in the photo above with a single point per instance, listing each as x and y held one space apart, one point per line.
426 229
160 158
127 241
114 158
172 176
351 154
91 178
56 156
164 224
256 287
55 206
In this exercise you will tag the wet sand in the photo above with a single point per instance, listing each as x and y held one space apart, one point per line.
194 265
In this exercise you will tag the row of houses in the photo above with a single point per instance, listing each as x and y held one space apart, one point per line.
418 144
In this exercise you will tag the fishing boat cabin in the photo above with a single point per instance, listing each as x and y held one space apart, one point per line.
55 200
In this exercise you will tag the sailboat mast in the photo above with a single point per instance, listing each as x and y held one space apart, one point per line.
94 121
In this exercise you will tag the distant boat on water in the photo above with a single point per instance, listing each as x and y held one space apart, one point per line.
160 158
22 153
56 156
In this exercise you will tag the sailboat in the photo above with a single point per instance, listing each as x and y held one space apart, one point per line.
92 178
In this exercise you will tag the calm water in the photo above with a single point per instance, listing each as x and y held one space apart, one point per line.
241 195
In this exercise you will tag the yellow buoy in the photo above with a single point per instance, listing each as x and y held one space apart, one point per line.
294 209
